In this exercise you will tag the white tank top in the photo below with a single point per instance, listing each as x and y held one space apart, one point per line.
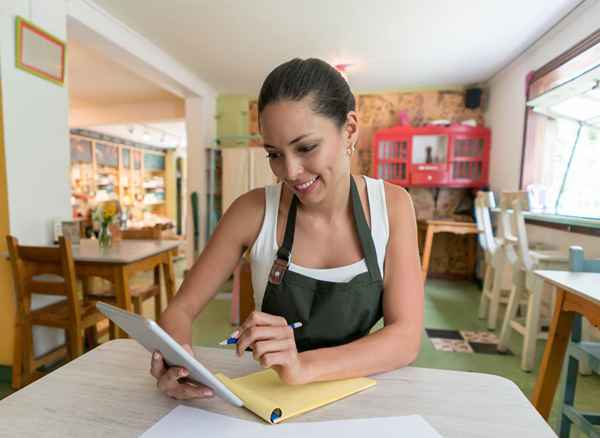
264 249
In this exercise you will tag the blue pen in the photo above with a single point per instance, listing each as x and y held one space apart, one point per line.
234 340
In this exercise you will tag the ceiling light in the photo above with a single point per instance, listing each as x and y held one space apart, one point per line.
146 136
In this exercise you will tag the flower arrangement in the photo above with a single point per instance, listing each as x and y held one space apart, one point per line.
105 215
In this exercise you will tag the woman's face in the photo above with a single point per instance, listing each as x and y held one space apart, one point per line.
307 151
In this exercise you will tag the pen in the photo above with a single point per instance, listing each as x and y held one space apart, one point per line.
233 339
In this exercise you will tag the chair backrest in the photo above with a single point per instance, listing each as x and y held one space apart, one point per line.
578 262
484 201
146 233
29 266
520 202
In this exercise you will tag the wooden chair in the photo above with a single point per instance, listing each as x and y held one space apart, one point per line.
138 293
498 254
35 270
580 351
527 284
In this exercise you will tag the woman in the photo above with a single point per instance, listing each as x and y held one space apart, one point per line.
328 249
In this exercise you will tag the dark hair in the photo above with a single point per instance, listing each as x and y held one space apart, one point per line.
296 79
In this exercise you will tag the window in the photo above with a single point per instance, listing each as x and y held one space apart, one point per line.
561 154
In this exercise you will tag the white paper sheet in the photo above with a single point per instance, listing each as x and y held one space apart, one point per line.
184 422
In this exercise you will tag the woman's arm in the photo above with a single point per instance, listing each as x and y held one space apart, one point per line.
234 233
394 346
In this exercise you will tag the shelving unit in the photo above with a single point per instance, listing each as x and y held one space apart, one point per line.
102 170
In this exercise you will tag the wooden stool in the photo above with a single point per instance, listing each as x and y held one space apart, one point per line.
445 226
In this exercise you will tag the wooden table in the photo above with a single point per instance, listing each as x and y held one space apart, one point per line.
445 226
109 392
123 259
576 292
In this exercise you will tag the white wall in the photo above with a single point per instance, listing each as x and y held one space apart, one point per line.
36 141
506 110
36 130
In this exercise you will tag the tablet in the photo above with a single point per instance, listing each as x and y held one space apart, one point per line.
153 338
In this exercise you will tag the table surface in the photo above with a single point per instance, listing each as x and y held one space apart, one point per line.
584 284
124 251
109 392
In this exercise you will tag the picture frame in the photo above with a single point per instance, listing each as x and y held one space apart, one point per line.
39 53
71 230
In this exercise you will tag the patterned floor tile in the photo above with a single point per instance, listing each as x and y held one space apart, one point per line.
481 337
451 345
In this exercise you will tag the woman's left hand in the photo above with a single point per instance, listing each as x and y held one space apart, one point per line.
273 345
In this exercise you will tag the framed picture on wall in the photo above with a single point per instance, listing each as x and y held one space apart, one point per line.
39 53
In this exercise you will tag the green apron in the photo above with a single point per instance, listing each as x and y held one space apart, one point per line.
332 313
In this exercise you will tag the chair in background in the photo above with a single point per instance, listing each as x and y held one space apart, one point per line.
35 271
579 352
527 284
497 253
138 293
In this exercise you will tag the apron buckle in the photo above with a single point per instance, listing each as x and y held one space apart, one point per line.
278 270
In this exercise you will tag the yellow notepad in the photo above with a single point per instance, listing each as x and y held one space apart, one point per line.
274 401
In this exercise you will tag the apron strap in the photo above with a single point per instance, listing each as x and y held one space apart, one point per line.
364 234
288 239
362 228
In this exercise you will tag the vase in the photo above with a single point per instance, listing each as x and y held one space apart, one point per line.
105 236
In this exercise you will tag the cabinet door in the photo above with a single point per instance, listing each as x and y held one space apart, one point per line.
260 173
468 160
391 157
235 178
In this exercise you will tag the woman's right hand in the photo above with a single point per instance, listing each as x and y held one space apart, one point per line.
168 379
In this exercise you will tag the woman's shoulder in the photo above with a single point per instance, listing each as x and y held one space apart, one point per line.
247 213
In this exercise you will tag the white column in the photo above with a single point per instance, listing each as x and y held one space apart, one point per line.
201 131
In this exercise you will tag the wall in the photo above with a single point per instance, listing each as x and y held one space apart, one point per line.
505 114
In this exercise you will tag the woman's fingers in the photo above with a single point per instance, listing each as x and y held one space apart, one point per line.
261 333
260 348
170 385
260 318
157 365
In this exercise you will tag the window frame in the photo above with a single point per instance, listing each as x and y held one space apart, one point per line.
555 73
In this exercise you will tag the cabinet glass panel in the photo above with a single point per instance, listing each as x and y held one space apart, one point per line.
126 156
107 155
393 150
468 148
429 149
470 170
391 170
137 160
81 150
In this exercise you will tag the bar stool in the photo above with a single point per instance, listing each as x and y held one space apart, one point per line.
498 253
527 284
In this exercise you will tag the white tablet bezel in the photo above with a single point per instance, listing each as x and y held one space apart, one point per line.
153 338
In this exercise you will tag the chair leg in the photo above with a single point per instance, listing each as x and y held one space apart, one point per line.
27 353
137 305
564 425
158 297
511 312
112 330
495 293
586 335
532 326
487 280
17 368
74 340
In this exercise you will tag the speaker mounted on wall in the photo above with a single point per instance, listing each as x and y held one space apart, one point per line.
473 98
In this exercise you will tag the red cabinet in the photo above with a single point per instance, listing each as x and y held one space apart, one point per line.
432 156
